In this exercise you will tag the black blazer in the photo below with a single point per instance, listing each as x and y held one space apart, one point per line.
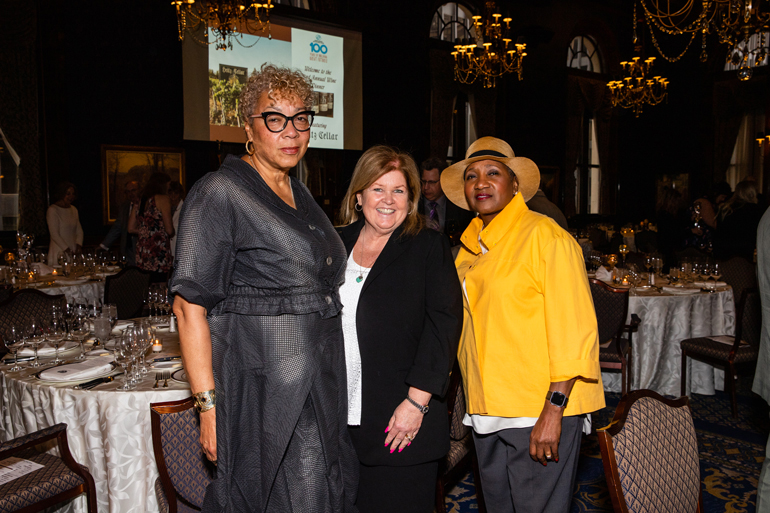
409 321
460 217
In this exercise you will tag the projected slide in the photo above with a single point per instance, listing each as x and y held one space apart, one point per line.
318 55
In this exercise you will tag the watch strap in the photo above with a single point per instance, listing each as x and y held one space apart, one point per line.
557 399
423 409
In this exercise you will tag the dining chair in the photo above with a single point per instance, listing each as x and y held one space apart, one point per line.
650 455
462 453
184 470
611 306
60 478
127 290
26 303
740 274
732 352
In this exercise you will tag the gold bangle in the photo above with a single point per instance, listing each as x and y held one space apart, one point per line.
204 401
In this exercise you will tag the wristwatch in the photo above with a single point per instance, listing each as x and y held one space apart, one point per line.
423 409
557 399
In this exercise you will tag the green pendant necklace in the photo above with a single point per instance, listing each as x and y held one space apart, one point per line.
361 267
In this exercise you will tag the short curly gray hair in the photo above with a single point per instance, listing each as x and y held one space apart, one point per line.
279 83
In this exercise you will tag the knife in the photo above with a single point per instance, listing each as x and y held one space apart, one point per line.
10 360
88 385
167 359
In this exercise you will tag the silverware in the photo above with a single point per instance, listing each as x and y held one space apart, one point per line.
158 377
96 382
166 377
167 359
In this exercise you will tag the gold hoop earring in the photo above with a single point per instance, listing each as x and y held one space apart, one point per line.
250 152
358 207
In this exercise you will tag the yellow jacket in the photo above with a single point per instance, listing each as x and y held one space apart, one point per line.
528 317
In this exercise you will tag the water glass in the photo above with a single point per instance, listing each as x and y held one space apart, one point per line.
35 337
111 311
55 333
79 331
102 330
14 340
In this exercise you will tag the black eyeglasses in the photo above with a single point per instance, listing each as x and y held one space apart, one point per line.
276 122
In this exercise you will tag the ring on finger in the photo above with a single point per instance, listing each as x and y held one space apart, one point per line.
548 456
409 437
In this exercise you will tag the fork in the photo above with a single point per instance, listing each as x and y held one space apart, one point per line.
166 377
158 377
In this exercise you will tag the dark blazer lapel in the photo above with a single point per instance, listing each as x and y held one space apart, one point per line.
349 234
392 250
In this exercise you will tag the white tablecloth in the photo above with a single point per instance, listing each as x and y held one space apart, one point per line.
90 290
666 321
108 431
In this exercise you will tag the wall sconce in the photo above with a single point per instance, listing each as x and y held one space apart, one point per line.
761 138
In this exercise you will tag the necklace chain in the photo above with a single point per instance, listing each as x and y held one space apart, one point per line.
360 264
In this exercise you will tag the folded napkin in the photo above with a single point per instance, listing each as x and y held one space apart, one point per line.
42 268
84 370
45 350
121 325
603 274
680 291
707 284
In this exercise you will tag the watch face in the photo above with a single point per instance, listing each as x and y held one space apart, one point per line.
558 399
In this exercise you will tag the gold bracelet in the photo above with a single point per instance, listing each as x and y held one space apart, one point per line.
204 401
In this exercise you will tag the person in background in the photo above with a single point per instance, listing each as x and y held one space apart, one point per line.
542 205
176 196
63 224
673 226
737 221
402 318
151 222
762 376
529 352
720 193
440 214
119 230
256 284
702 213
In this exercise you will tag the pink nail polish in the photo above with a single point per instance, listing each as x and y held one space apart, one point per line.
408 444
391 451
387 429
401 449
386 444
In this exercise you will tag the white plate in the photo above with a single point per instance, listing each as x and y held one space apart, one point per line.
78 380
180 376
48 351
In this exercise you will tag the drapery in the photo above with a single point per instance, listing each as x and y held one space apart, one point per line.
19 106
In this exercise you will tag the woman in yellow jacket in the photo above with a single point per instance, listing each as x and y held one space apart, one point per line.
529 351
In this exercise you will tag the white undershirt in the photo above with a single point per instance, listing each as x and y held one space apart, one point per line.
485 424
350 291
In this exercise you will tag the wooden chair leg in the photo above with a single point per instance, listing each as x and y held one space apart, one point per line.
730 374
684 374
623 380
628 371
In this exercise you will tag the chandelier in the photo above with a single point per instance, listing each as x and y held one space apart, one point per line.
733 21
638 88
222 20
491 55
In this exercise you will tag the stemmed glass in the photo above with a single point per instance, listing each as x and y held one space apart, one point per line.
14 340
151 302
111 311
35 337
122 353
657 265
623 250
716 271
79 331
610 261
144 331
55 333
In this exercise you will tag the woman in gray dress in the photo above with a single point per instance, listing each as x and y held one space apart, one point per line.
257 273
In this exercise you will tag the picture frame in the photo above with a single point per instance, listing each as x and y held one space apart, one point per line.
123 164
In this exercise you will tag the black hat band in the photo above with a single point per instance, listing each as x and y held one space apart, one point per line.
488 153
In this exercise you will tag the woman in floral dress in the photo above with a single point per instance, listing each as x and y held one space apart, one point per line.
151 220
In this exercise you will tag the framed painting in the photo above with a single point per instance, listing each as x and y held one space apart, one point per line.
124 164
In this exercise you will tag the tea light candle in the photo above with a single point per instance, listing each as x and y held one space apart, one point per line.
625 280
157 347
54 273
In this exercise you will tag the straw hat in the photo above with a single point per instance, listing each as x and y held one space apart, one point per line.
490 148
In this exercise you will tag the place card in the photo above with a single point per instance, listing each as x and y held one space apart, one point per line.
13 468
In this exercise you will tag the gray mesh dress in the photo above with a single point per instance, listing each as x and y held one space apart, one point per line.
268 276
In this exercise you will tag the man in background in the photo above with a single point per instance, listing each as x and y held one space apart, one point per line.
440 215
542 205
762 374
119 230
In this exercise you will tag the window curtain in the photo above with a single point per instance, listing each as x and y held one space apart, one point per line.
19 107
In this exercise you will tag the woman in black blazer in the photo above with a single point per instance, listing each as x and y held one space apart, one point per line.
402 320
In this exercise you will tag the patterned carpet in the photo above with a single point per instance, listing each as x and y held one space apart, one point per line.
731 455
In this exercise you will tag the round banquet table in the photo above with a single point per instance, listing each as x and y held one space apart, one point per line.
108 431
666 320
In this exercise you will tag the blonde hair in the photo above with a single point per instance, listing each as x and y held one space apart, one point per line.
279 83
745 192
374 163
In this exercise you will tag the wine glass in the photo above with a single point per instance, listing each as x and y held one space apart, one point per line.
55 333
35 337
111 311
14 340
657 265
716 271
102 330
79 331
113 256
122 353
623 250
610 261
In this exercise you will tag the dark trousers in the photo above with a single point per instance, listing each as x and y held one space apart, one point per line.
409 489
514 482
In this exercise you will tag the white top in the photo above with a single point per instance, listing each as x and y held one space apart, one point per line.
66 232
175 222
350 291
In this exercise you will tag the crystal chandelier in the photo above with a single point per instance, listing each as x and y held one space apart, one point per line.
222 20
638 88
733 21
491 55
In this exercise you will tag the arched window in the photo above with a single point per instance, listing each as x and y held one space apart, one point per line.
452 21
736 56
583 54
